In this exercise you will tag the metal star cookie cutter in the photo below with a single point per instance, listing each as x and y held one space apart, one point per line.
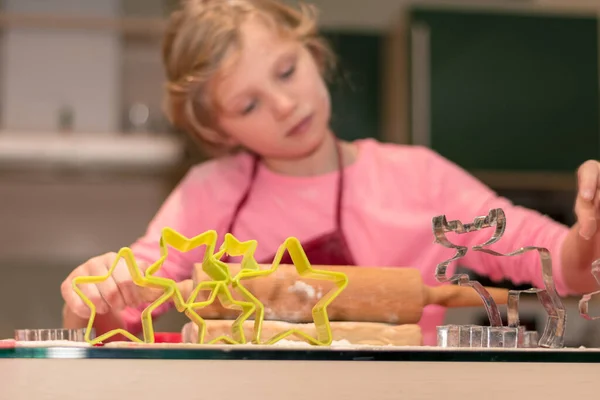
586 298
554 331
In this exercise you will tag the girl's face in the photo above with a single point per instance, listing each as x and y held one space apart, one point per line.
273 100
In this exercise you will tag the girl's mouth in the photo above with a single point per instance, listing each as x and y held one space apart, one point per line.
301 126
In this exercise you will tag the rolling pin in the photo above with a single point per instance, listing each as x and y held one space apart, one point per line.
374 294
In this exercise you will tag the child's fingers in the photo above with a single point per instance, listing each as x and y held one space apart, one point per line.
92 292
127 288
72 300
586 217
186 287
75 303
588 178
108 288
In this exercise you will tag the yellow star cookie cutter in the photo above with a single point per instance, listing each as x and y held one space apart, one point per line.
169 287
304 269
219 290
169 237
218 271
233 247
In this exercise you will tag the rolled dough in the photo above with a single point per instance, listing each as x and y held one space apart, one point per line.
360 333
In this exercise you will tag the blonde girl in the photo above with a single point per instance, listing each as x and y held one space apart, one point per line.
247 80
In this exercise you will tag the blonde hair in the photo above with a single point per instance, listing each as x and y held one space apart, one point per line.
198 39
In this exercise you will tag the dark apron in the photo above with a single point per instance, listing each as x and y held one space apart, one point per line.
328 249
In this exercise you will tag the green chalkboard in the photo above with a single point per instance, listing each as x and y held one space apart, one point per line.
356 86
512 91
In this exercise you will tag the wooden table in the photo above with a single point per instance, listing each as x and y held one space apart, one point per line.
220 373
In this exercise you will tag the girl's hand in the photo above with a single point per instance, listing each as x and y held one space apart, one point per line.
587 203
114 294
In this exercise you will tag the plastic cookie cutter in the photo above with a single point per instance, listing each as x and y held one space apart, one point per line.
138 278
219 289
586 298
216 270
233 247
220 276
183 244
301 263
554 331
147 280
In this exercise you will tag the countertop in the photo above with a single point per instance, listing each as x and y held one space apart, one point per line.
97 150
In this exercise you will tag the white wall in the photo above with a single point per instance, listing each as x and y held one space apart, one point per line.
46 69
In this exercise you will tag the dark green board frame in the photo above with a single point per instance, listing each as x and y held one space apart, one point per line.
356 87
512 91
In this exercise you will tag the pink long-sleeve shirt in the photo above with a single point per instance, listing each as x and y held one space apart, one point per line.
391 194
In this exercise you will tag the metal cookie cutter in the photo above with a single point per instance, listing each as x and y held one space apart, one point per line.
586 298
553 335
44 335
440 227
474 336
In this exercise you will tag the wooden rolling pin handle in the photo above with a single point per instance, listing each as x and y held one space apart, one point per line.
461 296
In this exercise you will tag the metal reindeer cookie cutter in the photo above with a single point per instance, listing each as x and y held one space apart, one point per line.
449 336
586 298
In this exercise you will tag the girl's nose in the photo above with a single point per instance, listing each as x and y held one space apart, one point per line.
283 104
